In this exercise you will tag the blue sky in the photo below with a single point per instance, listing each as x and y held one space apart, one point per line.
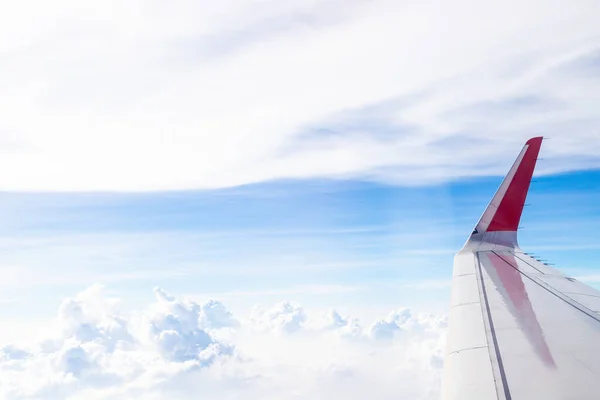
335 153
326 243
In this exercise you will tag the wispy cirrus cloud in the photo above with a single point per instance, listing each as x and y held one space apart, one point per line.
154 95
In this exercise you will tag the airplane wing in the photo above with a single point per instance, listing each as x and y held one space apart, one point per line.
518 329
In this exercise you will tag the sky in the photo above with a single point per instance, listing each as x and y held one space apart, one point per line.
262 199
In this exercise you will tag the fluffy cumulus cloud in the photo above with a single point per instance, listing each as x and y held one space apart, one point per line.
285 317
150 95
181 349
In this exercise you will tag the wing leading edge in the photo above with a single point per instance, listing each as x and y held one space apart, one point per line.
519 329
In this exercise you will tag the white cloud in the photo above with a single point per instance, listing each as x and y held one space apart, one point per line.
147 95
97 351
214 315
346 326
174 327
285 317
403 320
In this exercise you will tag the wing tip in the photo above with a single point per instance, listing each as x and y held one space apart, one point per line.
535 141
506 207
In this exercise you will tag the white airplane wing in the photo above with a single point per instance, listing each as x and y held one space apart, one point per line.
519 329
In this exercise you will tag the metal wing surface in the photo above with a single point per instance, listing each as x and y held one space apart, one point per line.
519 329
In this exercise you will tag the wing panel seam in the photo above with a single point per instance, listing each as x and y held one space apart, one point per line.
487 318
468 303
468 349
582 294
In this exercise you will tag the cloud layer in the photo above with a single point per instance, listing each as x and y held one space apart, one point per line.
181 349
149 95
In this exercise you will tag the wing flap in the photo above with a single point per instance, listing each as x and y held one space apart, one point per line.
542 337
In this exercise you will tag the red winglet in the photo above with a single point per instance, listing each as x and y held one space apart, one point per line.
508 214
